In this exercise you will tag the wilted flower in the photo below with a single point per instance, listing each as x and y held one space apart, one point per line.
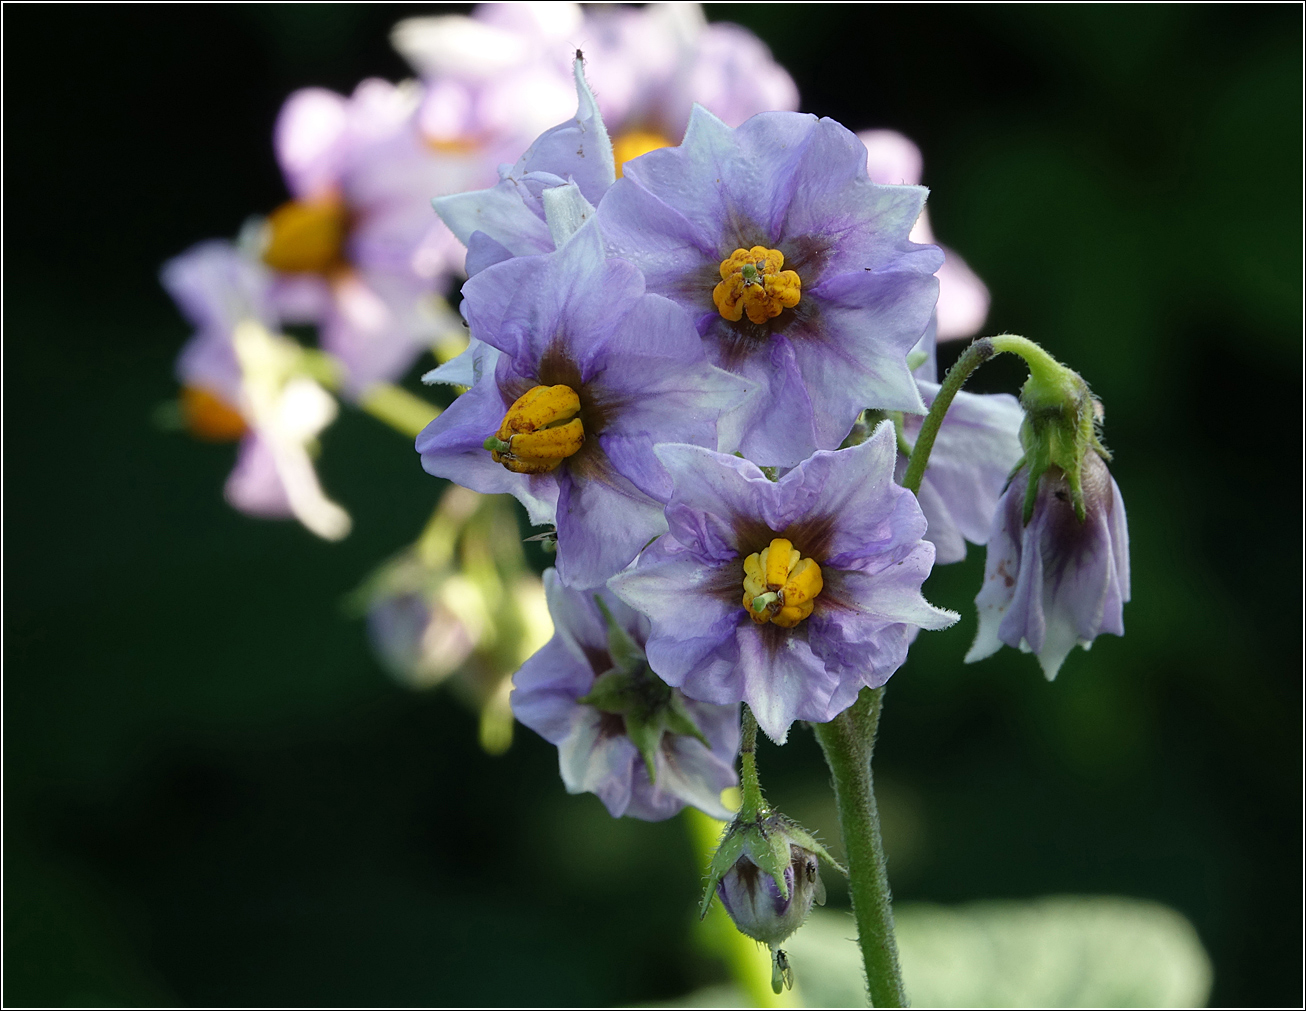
243 381
622 733
357 250
1056 580
796 267
1057 571
592 372
790 595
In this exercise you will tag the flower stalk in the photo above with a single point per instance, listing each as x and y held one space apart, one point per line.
848 742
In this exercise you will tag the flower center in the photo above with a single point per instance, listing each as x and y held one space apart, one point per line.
752 282
307 236
539 431
209 417
634 143
780 585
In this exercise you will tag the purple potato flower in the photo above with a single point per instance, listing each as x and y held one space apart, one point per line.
1055 581
357 251
579 324
839 509
595 751
974 453
789 191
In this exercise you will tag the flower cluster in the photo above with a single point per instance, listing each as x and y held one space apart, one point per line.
701 350
706 371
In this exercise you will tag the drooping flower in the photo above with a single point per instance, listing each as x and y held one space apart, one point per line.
241 380
974 453
592 372
1056 580
788 595
963 297
642 747
356 250
796 267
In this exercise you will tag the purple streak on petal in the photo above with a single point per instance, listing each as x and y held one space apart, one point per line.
857 355
783 679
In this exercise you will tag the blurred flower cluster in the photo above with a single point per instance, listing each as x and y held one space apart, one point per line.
696 342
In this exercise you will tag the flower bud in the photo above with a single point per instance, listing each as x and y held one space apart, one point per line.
767 876
759 908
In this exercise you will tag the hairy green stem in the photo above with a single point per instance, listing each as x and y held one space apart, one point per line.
753 803
972 358
848 742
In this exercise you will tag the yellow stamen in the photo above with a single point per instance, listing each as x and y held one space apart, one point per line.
209 417
634 143
752 282
307 236
539 431
780 585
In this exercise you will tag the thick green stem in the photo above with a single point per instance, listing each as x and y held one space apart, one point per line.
848 742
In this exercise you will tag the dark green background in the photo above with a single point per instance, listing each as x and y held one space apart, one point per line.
214 796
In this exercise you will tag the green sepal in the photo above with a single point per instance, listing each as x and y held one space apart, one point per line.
625 652
611 693
803 838
773 856
677 720
646 735
729 851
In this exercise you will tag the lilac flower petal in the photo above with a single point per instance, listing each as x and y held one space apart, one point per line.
483 251
308 139
689 616
777 426
546 687
603 522
578 149
452 446
783 680
468 368
711 490
859 355
687 772
594 760
524 305
500 214
254 485
963 299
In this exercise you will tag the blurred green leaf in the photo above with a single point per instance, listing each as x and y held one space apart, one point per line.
1060 951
